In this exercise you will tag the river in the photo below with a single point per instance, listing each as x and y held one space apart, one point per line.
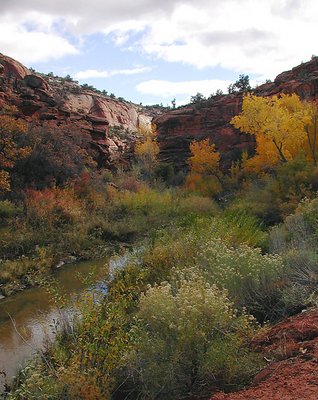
34 314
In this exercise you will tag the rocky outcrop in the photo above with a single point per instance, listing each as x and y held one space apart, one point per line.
211 118
59 102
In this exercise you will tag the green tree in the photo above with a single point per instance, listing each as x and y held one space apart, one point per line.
197 98
242 85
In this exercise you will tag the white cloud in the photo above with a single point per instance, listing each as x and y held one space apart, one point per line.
33 39
168 89
93 73
245 36
262 37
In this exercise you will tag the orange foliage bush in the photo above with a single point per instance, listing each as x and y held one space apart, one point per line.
53 206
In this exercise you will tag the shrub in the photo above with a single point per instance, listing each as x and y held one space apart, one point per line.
8 209
241 227
198 205
25 268
273 197
53 207
146 201
33 383
296 241
236 269
203 248
204 185
258 198
190 340
46 164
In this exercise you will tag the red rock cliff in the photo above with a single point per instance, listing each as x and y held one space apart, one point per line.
59 102
211 118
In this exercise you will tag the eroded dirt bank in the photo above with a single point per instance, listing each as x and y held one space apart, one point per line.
293 344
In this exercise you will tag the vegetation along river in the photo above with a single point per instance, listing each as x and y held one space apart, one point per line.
27 318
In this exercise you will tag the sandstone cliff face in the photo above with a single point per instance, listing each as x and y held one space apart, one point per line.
211 118
57 102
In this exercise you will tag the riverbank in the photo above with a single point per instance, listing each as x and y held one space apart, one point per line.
173 247
61 225
189 302
186 307
35 278
29 319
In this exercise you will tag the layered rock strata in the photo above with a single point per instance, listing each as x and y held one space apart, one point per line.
42 99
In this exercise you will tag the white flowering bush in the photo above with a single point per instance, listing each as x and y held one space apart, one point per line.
238 269
191 339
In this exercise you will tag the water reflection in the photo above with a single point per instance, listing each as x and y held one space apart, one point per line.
33 315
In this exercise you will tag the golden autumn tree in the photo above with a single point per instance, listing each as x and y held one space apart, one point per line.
204 158
12 131
278 126
147 148
204 168
310 121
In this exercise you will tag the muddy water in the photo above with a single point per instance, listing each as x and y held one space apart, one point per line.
34 314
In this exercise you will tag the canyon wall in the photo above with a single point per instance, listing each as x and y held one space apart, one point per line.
211 118
53 101
113 124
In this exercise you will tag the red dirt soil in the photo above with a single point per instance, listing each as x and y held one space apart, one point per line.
294 375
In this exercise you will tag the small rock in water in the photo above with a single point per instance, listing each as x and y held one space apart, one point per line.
60 264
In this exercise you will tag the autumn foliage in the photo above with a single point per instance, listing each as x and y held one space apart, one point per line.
12 149
283 127
147 148
204 168
53 206
204 158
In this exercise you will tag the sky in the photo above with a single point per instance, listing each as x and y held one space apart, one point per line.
153 51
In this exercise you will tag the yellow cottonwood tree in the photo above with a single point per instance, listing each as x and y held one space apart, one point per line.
204 168
266 156
147 148
310 120
204 158
277 123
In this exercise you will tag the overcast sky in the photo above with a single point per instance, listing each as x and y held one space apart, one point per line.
152 51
